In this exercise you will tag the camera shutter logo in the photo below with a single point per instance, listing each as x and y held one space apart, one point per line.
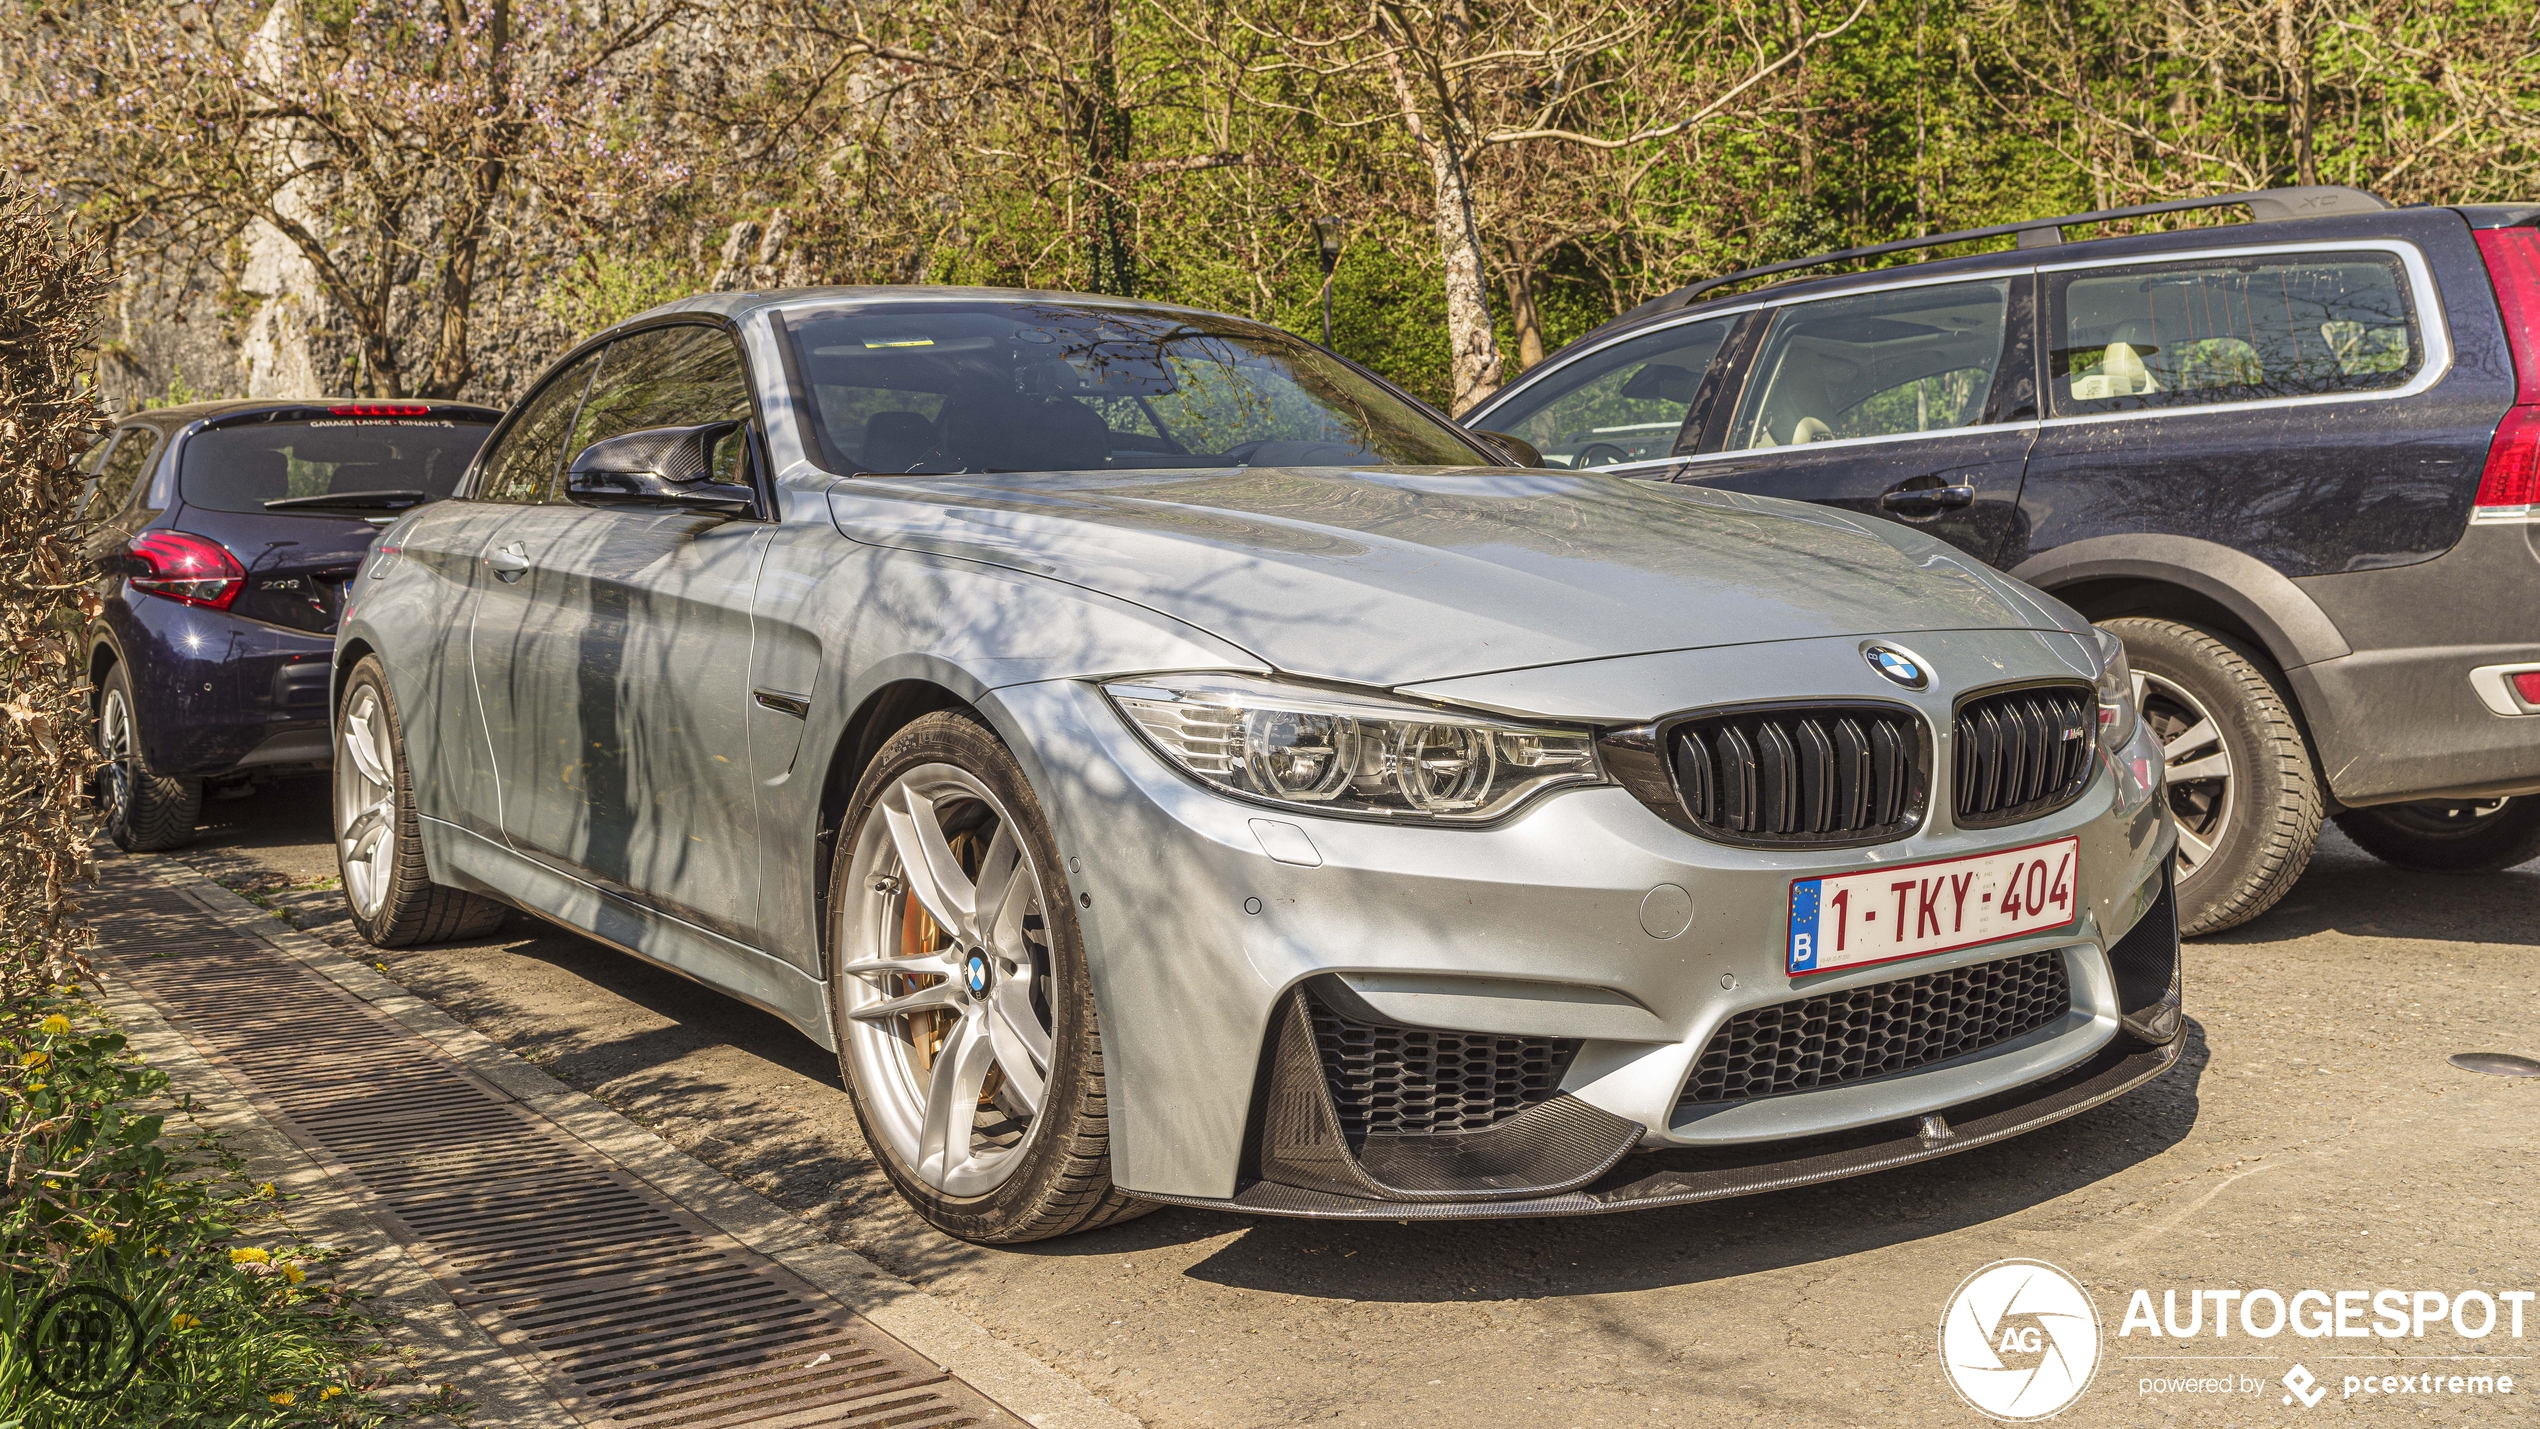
84 1342
2019 1340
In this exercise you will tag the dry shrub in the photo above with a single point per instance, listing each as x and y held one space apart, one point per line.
50 287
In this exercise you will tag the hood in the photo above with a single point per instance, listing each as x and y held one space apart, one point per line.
1391 576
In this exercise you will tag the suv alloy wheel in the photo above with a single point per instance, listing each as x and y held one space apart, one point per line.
2239 771
2448 835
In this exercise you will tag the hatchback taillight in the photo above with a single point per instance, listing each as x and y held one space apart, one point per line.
184 567
2510 486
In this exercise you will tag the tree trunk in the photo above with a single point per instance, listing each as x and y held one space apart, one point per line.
1106 152
2293 55
1520 279
1472 348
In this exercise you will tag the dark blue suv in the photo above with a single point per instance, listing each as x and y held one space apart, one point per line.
223 534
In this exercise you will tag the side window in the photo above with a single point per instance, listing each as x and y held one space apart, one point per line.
2229 330
664 377
1623 403
1874 365
124 467
523 467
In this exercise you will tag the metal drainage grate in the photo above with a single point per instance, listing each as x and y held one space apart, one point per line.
638 1313
1879 1030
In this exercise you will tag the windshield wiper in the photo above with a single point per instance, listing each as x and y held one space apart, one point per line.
352 503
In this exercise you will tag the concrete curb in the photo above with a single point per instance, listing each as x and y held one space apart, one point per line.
415 1313
1043 1395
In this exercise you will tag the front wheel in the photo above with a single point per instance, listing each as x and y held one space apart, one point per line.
378 838
2449 835
965 1019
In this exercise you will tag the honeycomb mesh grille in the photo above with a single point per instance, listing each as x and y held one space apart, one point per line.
1879 1030
2023 753
1421 1081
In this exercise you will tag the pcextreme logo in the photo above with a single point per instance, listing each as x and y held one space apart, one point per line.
2019 1340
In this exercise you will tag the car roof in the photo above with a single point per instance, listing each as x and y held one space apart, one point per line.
733 306
2282 215
175 419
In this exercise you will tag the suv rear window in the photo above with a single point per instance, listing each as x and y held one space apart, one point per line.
241 468
2211 331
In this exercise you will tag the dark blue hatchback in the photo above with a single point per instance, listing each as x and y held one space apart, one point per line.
223 535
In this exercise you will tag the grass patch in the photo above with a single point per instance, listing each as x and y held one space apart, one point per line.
234 1319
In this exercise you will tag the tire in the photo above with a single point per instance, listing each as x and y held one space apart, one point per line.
143 812
378 839
983 992
2449 835
2245 792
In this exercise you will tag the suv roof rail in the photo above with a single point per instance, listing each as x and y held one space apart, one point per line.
2265 206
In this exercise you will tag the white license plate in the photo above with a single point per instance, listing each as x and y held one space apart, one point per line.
1911 910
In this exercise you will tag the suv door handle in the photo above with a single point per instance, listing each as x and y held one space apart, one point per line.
1927 500
510 563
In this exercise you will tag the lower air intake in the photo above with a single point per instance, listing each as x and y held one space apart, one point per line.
1880 1030
1422 1081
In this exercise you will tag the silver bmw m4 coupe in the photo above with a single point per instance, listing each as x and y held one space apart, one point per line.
1168 764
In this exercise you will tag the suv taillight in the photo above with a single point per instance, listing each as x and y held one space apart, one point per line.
2510 486
185 567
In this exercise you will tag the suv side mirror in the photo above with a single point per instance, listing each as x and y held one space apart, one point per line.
1518 450
659 467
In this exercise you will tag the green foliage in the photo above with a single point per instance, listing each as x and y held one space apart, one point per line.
179 393
603 287
240 1324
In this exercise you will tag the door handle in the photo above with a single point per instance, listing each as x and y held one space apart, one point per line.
1927 500
510 563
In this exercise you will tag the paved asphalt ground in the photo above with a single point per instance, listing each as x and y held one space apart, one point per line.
2313 1136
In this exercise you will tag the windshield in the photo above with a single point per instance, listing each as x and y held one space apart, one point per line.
1053 386
242 468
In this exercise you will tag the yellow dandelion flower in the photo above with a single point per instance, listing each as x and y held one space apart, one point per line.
265 1190
35 1086
56 1025
36 1061
329 1392
285 1399
184 1321
294 1274
248 1255
103 1235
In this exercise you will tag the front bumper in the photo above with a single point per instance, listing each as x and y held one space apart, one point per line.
1548 926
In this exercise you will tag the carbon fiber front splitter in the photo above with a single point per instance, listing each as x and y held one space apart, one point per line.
1675 1178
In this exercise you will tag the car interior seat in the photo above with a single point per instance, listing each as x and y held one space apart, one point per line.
896 441
2121 370
1810 430
1011 433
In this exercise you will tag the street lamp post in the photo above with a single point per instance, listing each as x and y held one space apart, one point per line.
1327 236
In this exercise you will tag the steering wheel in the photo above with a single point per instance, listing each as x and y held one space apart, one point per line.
1599 454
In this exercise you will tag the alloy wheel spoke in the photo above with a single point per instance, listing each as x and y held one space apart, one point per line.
365 827
934 964
1001 871
942 994
952 1099
1027 1081
2201 735
2213 766
363 745
927 861
2192 851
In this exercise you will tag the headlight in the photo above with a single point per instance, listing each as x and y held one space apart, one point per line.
2117 713
1340 753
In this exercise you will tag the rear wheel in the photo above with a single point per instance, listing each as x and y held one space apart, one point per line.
378 840
143 812
2449 835
966 1027
2239 773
